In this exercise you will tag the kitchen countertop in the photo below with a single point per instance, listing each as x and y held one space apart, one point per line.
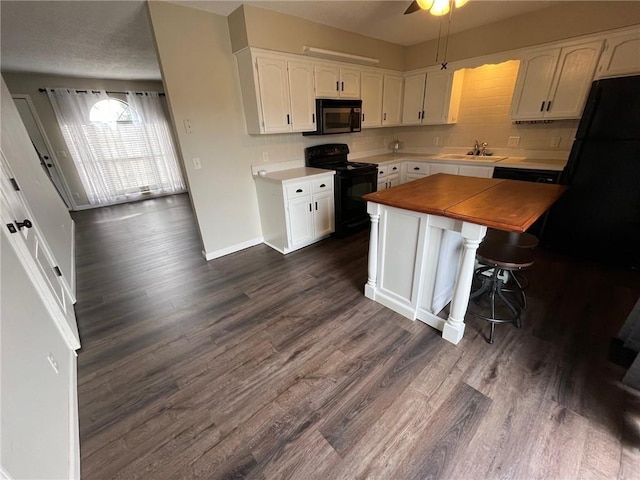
295 173
509 205
511 162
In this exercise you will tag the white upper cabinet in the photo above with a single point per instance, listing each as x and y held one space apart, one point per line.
333 81
432 98
554 83
442 97
391 100
278 93
621 55
303 102
372 85
412 103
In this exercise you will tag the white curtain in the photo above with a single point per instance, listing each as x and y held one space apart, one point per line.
121 158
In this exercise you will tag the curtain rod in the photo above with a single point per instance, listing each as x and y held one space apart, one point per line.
98 91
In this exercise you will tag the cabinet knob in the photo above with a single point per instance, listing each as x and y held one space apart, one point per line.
394 168
416 168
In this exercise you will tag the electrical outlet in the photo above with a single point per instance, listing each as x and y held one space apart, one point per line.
436 141
555 142
53 363
188 127
265 157
196 163
513 142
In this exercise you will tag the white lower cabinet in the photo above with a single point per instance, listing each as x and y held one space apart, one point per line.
296 209
388 175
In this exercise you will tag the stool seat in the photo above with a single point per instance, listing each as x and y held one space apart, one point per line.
504 255
522 240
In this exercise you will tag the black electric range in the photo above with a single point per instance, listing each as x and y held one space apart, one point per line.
351 181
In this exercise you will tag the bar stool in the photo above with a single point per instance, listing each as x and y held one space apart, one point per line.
503 259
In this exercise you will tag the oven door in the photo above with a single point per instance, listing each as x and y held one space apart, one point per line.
351 209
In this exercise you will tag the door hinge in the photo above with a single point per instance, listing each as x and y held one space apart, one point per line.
12 228
16 187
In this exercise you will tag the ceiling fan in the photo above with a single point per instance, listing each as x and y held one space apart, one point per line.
435 7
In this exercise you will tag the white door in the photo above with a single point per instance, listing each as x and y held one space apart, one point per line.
533 84
300 221
392 100
437 94
327 81
41 144
349 83
323 212
303 101
573 78
274 95
412 103
371 99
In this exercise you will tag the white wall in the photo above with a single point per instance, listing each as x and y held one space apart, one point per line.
202 85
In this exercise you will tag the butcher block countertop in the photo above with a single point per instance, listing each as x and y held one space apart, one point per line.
509 205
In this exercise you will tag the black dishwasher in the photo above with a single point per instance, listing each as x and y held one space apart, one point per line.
529 175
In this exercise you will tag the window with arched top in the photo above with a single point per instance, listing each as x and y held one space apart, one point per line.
111 110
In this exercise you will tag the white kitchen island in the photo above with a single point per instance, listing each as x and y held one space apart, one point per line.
424 236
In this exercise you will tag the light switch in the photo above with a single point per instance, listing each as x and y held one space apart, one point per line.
196 163
188 127
265 157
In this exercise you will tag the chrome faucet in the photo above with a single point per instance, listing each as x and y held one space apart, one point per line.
484 149
476 149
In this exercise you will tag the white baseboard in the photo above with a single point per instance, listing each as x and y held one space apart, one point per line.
232 249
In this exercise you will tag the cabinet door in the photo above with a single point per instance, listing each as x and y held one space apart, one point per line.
349 83
382 184
572 81
392 100
412 103
393 180
371 99
443 168
274 95
300 221
437 94
620 56
327 81
323 214
413 176
533 84
303 102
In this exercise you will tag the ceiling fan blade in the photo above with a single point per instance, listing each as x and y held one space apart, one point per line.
414 7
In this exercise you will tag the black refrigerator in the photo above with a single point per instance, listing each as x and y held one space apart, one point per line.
598 218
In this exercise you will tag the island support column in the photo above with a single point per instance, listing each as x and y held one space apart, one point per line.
374 212
472 235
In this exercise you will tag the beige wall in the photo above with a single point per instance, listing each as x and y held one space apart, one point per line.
485 102
284 33
569 19
24 83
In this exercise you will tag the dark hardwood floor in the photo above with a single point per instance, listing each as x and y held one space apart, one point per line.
259 365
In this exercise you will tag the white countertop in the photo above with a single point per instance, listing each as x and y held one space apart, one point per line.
512 162
295 173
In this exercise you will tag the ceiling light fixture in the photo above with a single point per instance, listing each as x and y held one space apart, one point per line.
440 7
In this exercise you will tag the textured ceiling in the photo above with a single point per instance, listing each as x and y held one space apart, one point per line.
113 39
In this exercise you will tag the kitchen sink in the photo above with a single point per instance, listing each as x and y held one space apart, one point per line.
471 158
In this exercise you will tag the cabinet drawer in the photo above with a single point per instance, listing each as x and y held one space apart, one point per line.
418 167
322 185
298 189
388 169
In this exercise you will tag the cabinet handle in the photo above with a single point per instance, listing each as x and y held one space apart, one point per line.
310 208
542 107
385 117
422 115
394 168
26 224
288 120
322 185
418 114
313 118
337 86
416 168
343 86
299 190
548 105
316 205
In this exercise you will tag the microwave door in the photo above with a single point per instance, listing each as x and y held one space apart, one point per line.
337 120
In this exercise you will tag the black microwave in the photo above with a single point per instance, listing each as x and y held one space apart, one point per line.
337 116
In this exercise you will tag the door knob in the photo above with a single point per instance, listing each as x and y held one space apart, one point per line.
26 224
